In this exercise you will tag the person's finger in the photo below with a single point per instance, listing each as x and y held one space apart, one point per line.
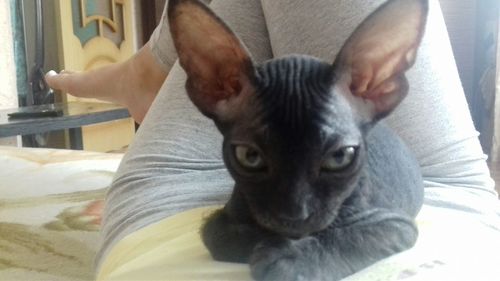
64 81
55 80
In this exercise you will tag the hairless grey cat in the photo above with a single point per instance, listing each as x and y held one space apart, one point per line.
322 187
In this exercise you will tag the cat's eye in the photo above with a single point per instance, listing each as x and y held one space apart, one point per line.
339 159
249 158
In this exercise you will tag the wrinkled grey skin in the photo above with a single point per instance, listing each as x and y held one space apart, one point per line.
293 219
356 218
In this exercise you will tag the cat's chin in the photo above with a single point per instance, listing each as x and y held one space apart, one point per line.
294 229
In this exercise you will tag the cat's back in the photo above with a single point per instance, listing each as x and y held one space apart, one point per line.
393 171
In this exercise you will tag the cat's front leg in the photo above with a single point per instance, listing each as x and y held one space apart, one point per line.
372 236
335 252
228 239
230 234
280 258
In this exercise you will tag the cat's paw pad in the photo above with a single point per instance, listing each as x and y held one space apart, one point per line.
282 259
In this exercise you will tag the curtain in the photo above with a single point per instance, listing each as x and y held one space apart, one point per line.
487 105
495 153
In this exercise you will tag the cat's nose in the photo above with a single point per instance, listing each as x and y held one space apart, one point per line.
294 213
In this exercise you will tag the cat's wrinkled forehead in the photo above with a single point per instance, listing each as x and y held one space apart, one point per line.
295 91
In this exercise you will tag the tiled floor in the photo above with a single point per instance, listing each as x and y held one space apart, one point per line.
495 173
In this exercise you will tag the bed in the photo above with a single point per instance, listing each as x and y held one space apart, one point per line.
50 211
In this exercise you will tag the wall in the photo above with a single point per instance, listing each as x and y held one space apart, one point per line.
8 88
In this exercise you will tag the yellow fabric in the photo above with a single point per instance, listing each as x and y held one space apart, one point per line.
452 245
169 250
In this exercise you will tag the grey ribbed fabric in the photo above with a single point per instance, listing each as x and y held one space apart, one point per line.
175 161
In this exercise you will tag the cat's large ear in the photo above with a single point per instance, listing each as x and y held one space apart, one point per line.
217 64
371 65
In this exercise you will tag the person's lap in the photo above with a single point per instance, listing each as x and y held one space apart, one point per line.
171 249
175 161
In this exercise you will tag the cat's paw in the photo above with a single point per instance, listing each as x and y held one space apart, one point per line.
229 241
284 259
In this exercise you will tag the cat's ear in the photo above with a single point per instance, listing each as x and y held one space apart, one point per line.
217 64
371 65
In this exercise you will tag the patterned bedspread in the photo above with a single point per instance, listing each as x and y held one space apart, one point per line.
50 202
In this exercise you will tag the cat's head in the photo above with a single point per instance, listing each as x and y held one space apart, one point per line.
294 127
